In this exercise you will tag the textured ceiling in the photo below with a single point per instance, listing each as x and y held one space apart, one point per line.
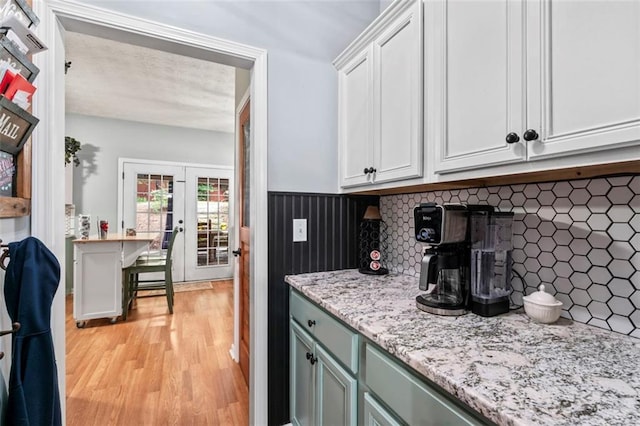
116 80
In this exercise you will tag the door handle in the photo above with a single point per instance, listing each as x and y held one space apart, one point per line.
237 253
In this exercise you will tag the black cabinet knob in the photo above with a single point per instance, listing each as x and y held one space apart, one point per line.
311 323
237 253
512 138
365 171
309 355
313 360
530 135
369 170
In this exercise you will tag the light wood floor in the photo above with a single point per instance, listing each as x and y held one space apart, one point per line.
156 368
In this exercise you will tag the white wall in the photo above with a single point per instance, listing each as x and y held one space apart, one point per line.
95 181
302 39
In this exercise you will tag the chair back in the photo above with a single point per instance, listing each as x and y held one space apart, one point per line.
174 234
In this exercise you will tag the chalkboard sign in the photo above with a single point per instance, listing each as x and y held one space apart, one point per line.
7 174
16 126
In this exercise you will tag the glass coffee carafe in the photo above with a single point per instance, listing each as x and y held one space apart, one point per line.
442 276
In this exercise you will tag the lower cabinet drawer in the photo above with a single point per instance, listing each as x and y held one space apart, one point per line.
341 342
411 399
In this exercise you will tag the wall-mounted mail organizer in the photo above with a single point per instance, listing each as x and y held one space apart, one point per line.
12 56
16 126
21 10
18 43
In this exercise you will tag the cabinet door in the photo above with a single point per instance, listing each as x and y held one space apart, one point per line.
97 280
584 75
375 414
476 54
336 399
302 380
355 119
397 99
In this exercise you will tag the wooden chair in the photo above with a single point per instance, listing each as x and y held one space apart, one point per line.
134 285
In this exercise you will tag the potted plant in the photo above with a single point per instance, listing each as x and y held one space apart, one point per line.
71 147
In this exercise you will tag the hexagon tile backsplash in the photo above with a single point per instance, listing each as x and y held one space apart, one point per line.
580 238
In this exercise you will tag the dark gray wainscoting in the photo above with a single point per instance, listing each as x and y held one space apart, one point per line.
332 243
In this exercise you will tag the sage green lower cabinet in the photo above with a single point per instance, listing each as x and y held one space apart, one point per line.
337 391
322 392
302 377
330 363
375 414
413 400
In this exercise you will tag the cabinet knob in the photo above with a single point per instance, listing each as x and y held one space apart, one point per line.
512 138
530 135
369 170
366 171
313 360
309 355
311 323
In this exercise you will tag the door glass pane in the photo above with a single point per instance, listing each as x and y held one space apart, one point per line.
154 208
213 221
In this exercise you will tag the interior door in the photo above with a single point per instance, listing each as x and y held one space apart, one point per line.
153 201
244 250
208 195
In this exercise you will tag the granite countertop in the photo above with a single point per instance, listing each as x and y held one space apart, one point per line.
509 368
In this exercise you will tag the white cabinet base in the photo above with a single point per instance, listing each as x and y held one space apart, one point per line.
97 281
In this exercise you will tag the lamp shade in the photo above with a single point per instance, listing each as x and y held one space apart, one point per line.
372 213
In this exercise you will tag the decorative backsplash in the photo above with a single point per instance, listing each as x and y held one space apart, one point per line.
580 238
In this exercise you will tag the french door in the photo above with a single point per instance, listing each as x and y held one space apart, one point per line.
156 197
208 198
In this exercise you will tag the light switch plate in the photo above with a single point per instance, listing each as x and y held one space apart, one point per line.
299 230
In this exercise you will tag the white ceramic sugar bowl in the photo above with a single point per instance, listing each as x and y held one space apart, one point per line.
542 307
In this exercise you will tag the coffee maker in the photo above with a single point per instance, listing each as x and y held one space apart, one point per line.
444 270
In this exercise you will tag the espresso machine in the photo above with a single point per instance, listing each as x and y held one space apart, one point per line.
444 270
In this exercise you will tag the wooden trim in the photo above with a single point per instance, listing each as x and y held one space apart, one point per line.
587 172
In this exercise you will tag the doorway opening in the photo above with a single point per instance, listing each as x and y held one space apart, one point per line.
58 16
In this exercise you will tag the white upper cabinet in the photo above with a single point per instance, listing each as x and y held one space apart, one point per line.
583 75
356 118
478 70
380 99
527 80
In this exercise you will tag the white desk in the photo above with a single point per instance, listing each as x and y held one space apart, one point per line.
98 265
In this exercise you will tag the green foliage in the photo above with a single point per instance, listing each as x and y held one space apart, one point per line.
159 200
71 147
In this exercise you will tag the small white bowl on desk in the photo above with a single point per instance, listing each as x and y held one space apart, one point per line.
542 307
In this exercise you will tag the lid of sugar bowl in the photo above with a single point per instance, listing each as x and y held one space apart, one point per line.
541 297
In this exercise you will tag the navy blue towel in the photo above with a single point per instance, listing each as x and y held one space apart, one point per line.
30 283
